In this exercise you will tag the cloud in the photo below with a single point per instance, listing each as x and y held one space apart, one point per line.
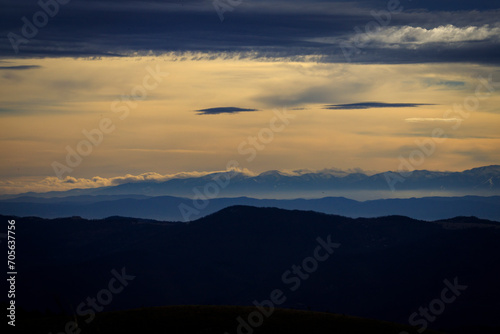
444 120
288 30
20 67
337 172
448 84
223 110
52 183
479 155
370 105
55 184
424 132
413 37
299 94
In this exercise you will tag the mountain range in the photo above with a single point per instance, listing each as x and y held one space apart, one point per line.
483 181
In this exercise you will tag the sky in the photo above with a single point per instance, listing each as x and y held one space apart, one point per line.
97 90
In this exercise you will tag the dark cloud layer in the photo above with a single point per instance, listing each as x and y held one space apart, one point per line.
252 29
370 105
223 110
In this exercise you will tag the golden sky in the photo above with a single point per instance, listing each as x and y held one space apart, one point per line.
45 106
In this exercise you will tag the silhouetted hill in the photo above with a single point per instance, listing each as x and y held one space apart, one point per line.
384 268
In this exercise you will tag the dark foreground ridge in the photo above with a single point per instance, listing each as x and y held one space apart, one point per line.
218 320
390 268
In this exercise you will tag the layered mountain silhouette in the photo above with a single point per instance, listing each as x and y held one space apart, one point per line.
184 209
384 268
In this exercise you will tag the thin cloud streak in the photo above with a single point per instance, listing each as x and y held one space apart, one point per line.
370 105
420 120
223 110
20 67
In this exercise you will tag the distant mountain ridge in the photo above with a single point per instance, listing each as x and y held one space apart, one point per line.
169 208
276 184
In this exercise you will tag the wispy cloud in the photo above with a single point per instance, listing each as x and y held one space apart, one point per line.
56 184
417 36
479 155
420 120
444 84
370 105
223 110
